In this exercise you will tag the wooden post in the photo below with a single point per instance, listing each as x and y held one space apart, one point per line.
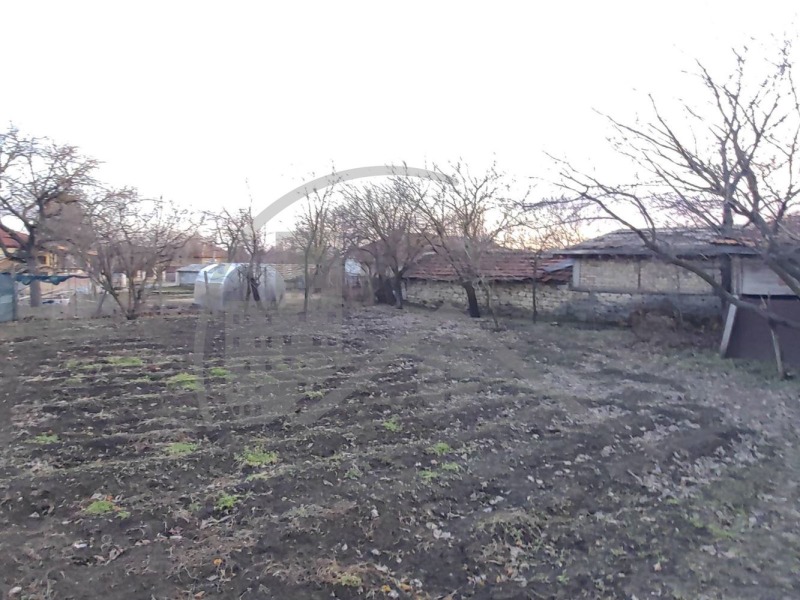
776 342
160 293
208 304
776 346
726 334
14 299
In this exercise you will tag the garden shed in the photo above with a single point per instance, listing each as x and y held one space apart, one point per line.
188 275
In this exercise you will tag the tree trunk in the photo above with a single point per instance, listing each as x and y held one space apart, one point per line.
776 348
472 300
98 311
36 285
398 290
370 296
533 288
305 286
726 264
489 306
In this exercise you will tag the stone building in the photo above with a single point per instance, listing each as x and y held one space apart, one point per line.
617 275
510 275
604 279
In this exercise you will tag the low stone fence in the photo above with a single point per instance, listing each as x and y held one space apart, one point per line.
561 302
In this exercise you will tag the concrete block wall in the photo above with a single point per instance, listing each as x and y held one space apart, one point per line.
640 275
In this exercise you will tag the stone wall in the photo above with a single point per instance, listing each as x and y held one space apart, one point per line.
561 302
507 297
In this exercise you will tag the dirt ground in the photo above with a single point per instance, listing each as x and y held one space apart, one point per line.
388 454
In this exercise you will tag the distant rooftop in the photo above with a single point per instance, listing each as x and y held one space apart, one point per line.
195 268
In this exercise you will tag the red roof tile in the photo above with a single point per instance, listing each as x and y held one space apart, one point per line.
10 242
497 265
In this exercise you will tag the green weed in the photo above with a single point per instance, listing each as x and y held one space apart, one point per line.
181 448
100 507
220 372
392 425
226 502
45 438
257 457
428 476
184 381
348 580
91 367
354 473
451 467
440 449
125 361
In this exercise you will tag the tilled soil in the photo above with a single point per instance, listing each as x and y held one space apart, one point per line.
388 454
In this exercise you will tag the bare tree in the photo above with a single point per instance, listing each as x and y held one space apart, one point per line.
463 217
125 236
314 234
385 218
38 178
729 165
253 245
550 224
228 228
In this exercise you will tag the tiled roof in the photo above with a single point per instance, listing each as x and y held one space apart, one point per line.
10 242
497 265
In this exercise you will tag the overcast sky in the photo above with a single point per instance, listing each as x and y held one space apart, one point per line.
190 99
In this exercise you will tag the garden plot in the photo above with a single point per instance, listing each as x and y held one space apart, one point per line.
388 454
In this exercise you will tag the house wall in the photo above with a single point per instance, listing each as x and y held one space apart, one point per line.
187 278
640 275
560 301
751 277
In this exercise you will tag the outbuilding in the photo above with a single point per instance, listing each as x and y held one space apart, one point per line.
188 275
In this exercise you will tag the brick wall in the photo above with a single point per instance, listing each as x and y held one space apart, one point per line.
559 301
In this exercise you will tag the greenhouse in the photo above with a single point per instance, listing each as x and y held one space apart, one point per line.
222 286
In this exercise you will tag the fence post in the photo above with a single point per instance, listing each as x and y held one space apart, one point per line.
208 304
14 297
